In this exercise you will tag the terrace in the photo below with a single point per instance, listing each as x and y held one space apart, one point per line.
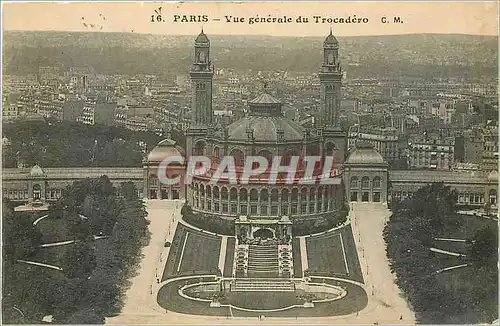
334 254
192 252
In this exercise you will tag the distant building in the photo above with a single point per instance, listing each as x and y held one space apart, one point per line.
48 74
431 153
490 148
95 112
10 112
384 140
473 146
81 71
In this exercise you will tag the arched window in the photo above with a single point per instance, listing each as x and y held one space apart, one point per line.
37 191
376 183
303 195
320 193
365 183
209 192
243 195
202 190
201 57
330 59
288 154
312 195
264 195
233 194
295 194
493 196
239 157
200 148
224 193
330 148
216 192
254 195
354 182
267 155
216 151
285 195
274 195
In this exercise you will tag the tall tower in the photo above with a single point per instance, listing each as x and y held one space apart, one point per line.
330 77
201 74
334 138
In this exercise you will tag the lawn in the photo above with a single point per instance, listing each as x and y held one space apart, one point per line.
169 298
54 230
228 264
297 258
55 255
52 255
458 247
355 300
464 226
199 255
325 255
263 300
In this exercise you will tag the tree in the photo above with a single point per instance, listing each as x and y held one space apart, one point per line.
21 238
409 234
79 261
79 227
128 190
482 249
85 316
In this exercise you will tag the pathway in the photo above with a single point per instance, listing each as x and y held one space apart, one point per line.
450 253
450 240
222 254
39 264
63 243
40 219
164 215
386 306
451 268
303 254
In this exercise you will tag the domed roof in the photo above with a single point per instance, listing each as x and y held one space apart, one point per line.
36 171
165 148
202 38
493 176
265 98
331 39
265 128
364 153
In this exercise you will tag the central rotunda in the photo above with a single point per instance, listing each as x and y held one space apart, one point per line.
264 131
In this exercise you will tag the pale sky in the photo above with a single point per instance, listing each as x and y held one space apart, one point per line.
418 17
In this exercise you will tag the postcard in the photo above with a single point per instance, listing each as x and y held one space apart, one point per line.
250 162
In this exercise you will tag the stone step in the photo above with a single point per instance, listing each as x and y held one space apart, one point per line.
276 285
263 257
268 268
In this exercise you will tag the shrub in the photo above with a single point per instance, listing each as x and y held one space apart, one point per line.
209 223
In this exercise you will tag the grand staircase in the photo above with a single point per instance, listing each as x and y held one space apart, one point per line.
262 285
263 261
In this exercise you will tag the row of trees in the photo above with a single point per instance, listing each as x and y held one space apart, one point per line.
72 144
300 225
410 233
210 223
88 289
303 226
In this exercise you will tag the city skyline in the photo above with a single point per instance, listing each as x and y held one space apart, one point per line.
474 18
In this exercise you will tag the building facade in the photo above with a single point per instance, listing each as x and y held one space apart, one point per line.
263 131
361 169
